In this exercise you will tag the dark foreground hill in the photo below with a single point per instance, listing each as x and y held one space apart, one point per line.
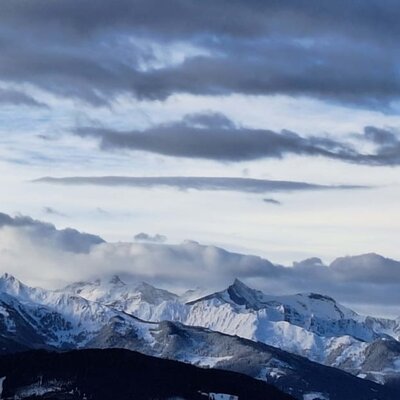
116 374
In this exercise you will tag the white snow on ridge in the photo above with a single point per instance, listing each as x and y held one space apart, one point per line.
38 389
222 396
315 396
120 294
204 361
310 325
67 319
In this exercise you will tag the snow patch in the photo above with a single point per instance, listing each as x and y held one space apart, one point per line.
1 385
39 389
315 396
219 396
204 361
222 396
9 323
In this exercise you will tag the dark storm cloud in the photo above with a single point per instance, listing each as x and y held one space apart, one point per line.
213 136
343 74
379 136
17 98
233 18
387 147
46 234
246 185
343 50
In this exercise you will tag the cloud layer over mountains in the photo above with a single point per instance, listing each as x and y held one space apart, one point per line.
40 253
44 234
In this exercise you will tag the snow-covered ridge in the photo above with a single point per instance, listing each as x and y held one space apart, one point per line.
308 324
54 318
313 312
142 300
115 291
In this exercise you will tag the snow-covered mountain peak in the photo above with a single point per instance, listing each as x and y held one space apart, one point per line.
317 300
6 276
122 296
242 294
304 305
154 295
238 284
317 296
237 294
192 295
116 281
142 286
12 286
309 262
320 306
77 286
8 279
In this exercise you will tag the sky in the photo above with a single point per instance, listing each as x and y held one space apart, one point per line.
265 128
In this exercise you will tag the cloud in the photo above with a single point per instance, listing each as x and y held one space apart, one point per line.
381 137
102 212
387 143
53 211
145 237
363 281
53 256
14 97
272 201
46 234
258 17
213 136
246 185
368 281
97 51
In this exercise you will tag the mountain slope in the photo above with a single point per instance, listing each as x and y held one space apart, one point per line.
143 300
121 374
293 374
310 325
40 318
169 340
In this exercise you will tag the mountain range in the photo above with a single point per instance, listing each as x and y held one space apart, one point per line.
309 324
304 344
